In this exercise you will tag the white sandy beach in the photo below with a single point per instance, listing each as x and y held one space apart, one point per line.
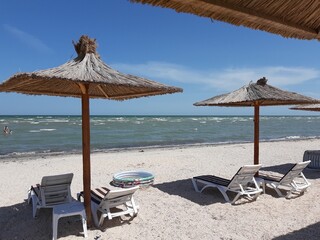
170 209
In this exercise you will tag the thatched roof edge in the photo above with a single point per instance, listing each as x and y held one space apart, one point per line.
309 107
290 19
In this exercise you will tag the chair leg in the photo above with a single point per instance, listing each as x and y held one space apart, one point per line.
224 193
33 199
94 210
35 208
102 217
236 198
262 184
194 182
55 221
256 196
277 189
84 224
134 206
29 196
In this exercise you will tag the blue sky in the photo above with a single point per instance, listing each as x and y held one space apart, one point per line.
204 57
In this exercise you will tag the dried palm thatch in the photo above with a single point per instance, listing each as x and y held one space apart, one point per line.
86 68
259 93
290 19
308 107
256 95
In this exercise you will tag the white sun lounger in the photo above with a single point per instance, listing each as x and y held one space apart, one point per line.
242 183
294 180
104 199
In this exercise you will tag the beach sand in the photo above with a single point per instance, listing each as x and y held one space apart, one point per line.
170 209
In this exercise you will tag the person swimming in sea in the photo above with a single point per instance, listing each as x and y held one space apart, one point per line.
6 130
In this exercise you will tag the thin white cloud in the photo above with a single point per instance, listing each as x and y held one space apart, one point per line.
28 39
226 79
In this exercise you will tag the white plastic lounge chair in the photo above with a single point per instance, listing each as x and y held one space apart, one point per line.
104 199
294 180
52 191
242 183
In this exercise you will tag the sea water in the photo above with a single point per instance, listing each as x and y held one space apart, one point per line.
63 134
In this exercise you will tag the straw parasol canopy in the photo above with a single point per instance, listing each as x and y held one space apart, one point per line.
290 19
256 95
86 76
86 68
307 107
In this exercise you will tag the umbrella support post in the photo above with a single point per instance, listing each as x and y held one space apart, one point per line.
256 133
86 152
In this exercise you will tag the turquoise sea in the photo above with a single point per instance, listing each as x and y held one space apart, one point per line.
60 134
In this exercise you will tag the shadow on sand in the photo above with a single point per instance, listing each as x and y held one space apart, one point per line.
309 232
184 188
16 222
284 168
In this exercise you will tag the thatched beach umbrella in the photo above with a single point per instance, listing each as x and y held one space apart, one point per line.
290 19
86 76
256 95
307 107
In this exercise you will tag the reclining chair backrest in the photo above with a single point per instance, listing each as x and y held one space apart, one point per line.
56 189
119 196
294 172
243 176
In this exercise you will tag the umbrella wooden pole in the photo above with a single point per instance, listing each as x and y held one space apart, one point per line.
86 151
256 133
